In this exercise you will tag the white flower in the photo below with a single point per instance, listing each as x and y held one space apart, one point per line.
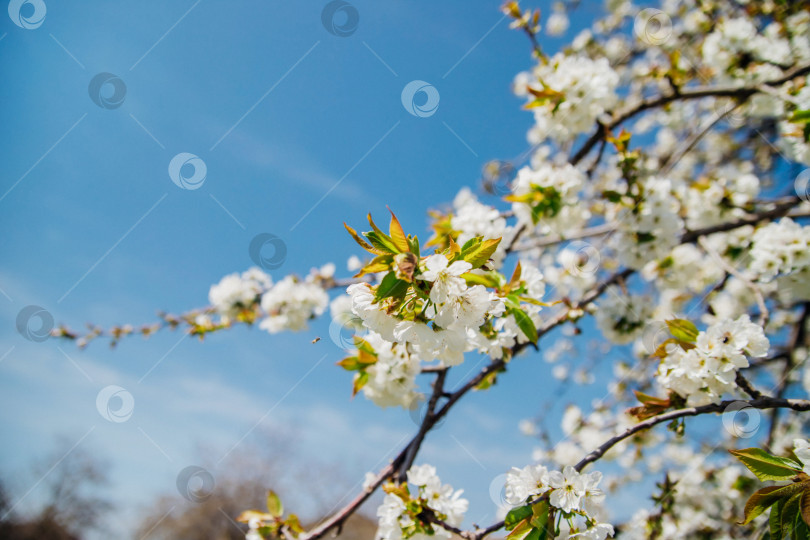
557 23
587 88
703 374
592 496
780 248
423 475
234 292
445 277
468 309
290 303
599 531
568 492
394 516
473 218
392 379
524 483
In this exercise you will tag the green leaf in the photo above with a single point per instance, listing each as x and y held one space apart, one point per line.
775 520
414 242
789 514
391 285
525 323
766 466
683 330
362 242
487 280
381 241
481 253
800 116
540 517
765 498
515 516
805 506
274 506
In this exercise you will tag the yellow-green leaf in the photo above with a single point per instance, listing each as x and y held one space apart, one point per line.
365 245
766 466
480 254
683 330
398 236
274 506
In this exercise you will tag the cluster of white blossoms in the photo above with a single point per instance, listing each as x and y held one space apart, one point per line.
455 308
285 305
547 196
570 491
567 94
778 248
392 378
290 303
399 513
710 201
704 373
649 229
686 268
235 293
736 42
621 316
473 218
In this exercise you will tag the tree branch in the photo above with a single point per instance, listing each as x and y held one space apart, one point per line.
742 93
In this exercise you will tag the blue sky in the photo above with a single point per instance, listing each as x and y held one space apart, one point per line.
299 130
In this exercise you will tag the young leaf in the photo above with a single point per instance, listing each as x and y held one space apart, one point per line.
381 236
525 324
521 531
349 363
481 253
775 520
515 516
398 236
488 280
363 244
391 285
683 330
789 515
274 506
804 507
766 497
765 466
382 242
360 380
514 281
759 502
377 264
540 515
